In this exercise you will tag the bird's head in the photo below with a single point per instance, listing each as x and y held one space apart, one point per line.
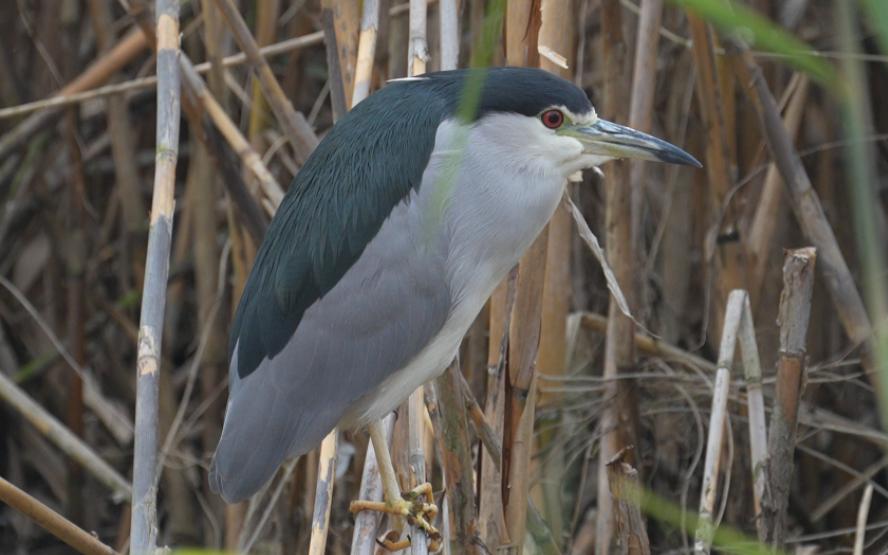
538 119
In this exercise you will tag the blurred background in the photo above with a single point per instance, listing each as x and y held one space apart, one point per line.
557 377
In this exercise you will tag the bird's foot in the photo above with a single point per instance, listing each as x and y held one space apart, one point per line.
416 506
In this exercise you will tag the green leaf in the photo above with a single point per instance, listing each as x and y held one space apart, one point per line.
763 34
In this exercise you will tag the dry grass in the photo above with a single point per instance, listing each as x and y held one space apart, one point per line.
567 426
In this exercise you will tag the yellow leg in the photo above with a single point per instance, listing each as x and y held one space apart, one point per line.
416 506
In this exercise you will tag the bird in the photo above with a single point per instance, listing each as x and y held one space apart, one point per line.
386 246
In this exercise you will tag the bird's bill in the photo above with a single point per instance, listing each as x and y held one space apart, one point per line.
607 139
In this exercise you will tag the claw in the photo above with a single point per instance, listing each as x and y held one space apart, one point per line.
416 506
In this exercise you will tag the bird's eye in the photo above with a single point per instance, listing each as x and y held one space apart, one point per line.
552 118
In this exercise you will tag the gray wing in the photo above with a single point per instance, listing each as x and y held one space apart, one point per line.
382 312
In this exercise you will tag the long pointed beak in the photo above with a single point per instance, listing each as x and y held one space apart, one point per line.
607 139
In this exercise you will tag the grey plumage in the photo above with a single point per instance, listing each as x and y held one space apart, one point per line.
387 245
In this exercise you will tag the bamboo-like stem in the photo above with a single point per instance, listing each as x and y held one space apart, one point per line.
367 522
54 523
417 45
618 420
417 55
795 309
294 125
59 435
448 18
320 521
718 421
366 51
143 527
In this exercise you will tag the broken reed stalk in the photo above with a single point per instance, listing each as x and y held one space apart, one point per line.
718 421
417 45
132 85
57 525
618 419
809 212
295 127
366 51
272 190
758 433
794 313
626 491
323 501
367 522
58 434
143 526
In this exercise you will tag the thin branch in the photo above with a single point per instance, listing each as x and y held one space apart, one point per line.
58 434
320 521
54 523
294 125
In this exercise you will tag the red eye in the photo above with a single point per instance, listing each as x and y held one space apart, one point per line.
552 118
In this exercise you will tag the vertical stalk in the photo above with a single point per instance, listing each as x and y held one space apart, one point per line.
795 309
143 525
618 420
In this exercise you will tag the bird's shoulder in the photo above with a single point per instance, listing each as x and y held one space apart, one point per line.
366 165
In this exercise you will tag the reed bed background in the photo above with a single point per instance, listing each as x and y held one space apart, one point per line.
738 406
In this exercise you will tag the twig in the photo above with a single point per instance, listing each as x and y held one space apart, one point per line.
862 514
718 420
54 523
143 526
140 83
230 131
57 433
97 73
795 309
118 423
294 125
320 521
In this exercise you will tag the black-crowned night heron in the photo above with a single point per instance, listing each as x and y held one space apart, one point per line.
386 247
